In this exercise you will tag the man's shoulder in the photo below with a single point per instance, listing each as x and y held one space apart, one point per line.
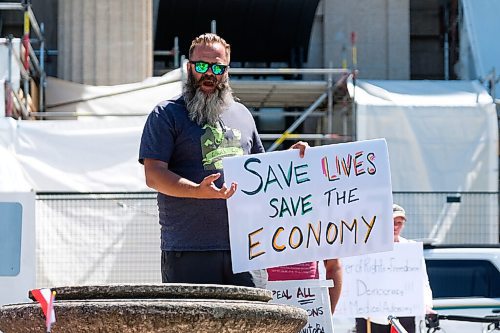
237 104
171 108
175 102
239 108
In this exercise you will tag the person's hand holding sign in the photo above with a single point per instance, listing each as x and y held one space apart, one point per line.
301 146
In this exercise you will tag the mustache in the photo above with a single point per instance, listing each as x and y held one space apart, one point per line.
192 85
207 78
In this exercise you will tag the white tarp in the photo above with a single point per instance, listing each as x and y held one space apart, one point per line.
98 155
88 154
125 99
479 42
442 136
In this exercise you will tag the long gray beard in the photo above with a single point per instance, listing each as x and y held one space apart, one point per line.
206 108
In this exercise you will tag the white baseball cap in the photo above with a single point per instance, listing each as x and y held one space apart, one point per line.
397 210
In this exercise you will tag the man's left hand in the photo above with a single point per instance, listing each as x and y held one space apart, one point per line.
301 146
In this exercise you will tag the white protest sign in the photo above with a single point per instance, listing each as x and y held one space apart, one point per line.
310 295
334 202
382 284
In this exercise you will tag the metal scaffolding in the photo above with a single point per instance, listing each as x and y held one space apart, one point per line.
20 103
316 97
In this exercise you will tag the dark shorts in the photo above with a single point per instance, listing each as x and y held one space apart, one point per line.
211 267
407 322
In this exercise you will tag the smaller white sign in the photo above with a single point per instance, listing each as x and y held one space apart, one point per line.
310 295
383 284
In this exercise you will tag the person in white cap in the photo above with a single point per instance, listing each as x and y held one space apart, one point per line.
381 325
399 218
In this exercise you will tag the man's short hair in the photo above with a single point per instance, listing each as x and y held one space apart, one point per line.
397 210
208 39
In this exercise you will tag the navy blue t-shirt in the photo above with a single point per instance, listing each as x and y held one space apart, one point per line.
194 152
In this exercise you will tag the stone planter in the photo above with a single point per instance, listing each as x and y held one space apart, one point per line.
157 308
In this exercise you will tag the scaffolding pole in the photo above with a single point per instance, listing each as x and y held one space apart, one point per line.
329 127
305 136
27 46
43 78
297 122
396 325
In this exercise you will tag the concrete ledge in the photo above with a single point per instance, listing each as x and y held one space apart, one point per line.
168 308
164 290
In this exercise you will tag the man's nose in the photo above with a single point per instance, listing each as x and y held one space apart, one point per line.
212 76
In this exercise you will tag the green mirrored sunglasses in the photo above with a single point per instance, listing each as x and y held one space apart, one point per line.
202 67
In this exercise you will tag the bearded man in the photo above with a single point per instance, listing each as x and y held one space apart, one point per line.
182 146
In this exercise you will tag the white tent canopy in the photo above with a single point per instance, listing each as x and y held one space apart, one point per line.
442 135
125 99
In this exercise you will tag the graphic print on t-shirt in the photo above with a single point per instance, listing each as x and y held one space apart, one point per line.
219 142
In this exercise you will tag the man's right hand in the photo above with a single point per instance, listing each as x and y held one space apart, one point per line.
208 190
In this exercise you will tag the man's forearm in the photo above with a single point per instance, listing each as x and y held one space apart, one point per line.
160 178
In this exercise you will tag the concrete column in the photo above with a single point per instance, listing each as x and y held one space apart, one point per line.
398 39
383 38
105 42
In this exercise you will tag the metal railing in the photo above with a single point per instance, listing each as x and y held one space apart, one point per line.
451 217
115 237
94 238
